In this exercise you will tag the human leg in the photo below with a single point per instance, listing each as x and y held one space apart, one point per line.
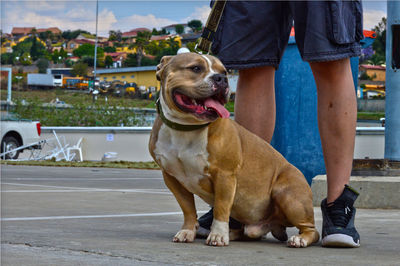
337 116
255 101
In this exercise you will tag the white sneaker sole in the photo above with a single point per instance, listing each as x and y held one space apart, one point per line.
339 240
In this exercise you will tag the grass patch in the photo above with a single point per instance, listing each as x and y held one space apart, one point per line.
370 115
116 164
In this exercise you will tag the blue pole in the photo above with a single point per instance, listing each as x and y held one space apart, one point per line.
392 121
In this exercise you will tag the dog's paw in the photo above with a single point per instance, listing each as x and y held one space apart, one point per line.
184 236
297 242
217 240
219 235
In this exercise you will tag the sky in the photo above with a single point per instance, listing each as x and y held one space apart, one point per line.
124 15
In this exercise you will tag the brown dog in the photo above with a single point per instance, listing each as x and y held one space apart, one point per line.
201 151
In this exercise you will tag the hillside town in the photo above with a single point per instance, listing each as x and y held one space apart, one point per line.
71 53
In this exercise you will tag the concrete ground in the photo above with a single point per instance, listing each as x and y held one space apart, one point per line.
94 216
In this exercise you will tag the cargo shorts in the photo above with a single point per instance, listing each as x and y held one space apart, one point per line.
256 33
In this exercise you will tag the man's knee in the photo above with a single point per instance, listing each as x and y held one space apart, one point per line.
331 68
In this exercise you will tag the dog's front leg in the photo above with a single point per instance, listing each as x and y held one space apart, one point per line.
186 202
224 192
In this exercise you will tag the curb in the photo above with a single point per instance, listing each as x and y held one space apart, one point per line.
376 192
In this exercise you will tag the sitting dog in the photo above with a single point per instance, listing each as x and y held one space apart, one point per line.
201 151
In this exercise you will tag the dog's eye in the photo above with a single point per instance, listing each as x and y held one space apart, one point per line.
196 69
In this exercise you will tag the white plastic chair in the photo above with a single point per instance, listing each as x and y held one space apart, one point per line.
76 150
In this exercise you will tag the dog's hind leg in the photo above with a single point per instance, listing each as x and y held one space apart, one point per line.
293 196
186 202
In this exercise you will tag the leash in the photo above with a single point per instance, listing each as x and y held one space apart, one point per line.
176 126
211 27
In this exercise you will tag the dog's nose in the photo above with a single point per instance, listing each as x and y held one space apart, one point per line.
220 80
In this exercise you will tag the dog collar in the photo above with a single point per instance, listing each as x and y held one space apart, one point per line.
174 125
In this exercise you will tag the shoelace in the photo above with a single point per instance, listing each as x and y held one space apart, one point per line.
340 214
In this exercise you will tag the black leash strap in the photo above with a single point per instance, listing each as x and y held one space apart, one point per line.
211 27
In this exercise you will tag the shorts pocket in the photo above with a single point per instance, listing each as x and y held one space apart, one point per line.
344 21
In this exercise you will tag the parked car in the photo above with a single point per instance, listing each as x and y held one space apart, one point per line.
16 133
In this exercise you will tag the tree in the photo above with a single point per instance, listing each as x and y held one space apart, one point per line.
131 61
108 61
69 35
195 25
63 53
87 49
80 69
110 49
377 59
142 40
179 28
115 35
25 59
55 57
6 58
42 65
379 45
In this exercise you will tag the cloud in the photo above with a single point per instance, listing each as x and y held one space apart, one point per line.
71 17
200 13
372 18
138 21
48 5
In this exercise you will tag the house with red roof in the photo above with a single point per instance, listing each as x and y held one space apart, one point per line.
18 32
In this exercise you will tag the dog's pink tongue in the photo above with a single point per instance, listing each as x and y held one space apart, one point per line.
218 107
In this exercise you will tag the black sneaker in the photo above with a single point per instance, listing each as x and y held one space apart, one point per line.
338 221
206 220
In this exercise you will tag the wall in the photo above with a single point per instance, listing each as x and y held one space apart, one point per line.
380 74
371 105
131 144
146 78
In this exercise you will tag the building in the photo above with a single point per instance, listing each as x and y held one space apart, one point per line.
142 76
374 86
117 58
54 30
18 32
74 44
133 33
377 73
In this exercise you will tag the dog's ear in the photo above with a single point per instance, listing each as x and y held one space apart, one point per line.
163 62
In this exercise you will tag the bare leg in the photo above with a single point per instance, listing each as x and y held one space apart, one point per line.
255 101
337 117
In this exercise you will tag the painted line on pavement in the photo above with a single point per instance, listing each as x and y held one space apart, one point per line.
146 191
92 216
82 189
81 178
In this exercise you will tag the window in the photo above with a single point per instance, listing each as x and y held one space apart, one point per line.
114 77
105 78
122 77
132 76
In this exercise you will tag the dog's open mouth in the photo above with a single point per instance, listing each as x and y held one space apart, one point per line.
210 107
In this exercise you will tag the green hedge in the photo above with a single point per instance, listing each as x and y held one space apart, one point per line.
78 115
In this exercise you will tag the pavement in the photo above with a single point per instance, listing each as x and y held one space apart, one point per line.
96 216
